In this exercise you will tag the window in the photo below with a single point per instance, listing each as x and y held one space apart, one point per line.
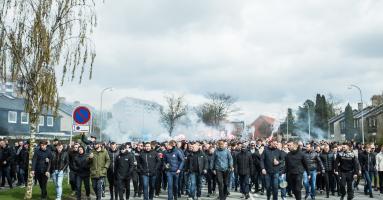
41 121
12 117
24 118
50 121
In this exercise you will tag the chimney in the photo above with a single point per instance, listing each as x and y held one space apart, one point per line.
76 103
360 106
376 100
62 99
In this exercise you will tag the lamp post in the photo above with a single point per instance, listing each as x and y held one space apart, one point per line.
361 101
309 119
101 116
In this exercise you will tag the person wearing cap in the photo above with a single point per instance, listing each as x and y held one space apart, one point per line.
41 165
123 169
112 175
99 164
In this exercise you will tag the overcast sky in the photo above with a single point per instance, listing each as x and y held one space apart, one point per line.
271 54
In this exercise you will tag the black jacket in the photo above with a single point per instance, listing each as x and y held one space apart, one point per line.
314 161
81 165
60 161
328 161
267 160
197 162
243 163
40 163
347 162
296 163
7 155
23 158
367 161
113 157
71 155
148 163
124 165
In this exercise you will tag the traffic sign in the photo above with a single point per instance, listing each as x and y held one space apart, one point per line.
81 128
81 115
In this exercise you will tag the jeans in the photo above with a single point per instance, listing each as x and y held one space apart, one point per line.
244 183
172 178
281 179
211 181
22 177
72 180
113 188
97 184
295 184
346 179
272 185
381 181
368 178
310 183
79 181
149 183
57 177
195 182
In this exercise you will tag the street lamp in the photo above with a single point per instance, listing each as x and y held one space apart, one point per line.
101 116
309 119
361 100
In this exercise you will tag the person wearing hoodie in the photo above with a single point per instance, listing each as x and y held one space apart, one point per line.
295 166
148 165
99 164
82 169
174 163
222 166
270 165
367 163
112 175
124 169
243 166
379 168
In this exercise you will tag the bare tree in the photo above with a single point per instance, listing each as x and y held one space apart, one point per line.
175 110
217 109
39 38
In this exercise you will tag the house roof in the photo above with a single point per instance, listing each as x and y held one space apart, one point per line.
376 111
364 112
11 103
268 119
66 108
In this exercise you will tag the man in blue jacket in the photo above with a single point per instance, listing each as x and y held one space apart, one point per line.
174 162
222 165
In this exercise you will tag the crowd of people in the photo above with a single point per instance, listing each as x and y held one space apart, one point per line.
181 168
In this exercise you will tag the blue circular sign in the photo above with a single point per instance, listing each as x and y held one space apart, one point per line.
81 115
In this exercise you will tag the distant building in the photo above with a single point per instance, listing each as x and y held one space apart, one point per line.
372 122
263 126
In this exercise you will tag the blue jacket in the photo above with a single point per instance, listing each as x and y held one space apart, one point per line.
175 159
222 160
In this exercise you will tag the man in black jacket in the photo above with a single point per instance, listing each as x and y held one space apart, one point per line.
196 165
328 160
23 160
367 163
347 168
72 153
243 166
148 165
124 167
41 164
270 165
315 165
60 162
82 168
256 173
5 163
295 165
112 175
